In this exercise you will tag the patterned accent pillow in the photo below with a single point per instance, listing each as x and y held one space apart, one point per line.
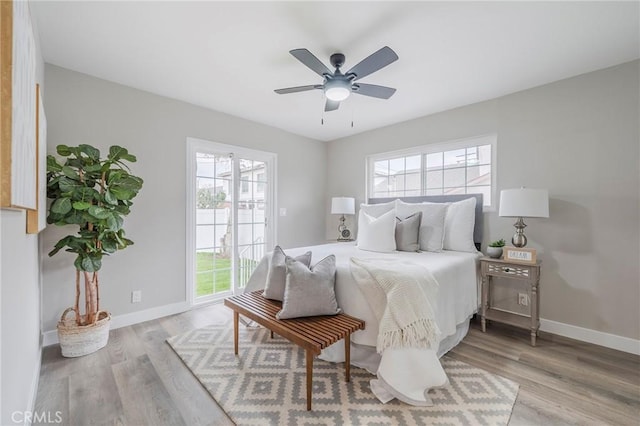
277 274
407 231
310 291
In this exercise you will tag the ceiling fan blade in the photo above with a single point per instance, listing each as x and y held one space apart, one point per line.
373 63
375 91
297 89
331 105
307 58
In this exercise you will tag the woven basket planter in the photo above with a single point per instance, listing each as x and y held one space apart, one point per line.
78 340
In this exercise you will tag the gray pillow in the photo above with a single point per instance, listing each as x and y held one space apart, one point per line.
407 232
277 275
310 292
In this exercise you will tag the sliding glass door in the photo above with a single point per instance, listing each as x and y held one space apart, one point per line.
229 215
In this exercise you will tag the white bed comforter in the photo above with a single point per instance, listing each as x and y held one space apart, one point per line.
406 373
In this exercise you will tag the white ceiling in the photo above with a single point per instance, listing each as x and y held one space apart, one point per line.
230 56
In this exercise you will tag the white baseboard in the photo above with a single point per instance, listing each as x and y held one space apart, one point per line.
600 338
51 337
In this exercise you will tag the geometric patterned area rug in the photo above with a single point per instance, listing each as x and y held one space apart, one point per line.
266 385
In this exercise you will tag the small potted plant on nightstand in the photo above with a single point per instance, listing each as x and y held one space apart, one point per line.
494 249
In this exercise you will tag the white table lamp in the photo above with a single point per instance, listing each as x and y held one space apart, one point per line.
521 203
342 206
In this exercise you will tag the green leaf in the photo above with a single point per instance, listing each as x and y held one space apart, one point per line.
125 186
53 165
115 175
81 205
116 152
115 222
78 263
90 151
110 198
91 263
123 209
75 217
91 168
99 212
129 157
63 150
68 185
110 246
70 173
61 206
122 193
85 194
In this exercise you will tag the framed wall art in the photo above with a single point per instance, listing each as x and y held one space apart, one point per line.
37 219
18 148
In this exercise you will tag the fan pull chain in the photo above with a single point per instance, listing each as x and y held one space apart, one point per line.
352 114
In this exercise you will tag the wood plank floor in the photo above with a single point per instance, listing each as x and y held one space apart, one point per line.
138 379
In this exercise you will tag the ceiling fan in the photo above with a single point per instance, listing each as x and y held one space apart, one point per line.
338 86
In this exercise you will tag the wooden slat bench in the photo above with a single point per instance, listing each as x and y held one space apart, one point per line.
311 333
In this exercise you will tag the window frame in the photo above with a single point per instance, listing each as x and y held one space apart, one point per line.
432 148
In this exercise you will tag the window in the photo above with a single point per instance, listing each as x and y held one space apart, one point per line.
458 167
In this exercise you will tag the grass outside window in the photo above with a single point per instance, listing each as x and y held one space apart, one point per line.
213 273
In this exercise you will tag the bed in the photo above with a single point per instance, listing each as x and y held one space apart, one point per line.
456 301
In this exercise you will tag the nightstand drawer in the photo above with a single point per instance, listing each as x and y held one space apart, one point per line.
509 271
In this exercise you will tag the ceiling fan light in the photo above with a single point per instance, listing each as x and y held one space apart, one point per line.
337 90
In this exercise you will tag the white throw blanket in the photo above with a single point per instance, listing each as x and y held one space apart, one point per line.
399 294
396 292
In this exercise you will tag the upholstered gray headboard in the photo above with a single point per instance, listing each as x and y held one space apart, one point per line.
477 231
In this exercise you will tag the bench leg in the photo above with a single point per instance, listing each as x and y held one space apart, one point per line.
271 332
309 378
236 316
347 357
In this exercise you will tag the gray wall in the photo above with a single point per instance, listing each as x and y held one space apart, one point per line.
19 302
579 139
84 109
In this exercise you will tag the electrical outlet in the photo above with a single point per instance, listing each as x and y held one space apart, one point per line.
523 299
136 296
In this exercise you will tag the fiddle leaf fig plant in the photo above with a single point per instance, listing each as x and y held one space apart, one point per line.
95 194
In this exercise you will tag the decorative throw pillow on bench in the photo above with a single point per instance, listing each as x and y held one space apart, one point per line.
277 275
309 291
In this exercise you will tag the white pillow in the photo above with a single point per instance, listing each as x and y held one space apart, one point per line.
431 234
377 234
458 226
377 210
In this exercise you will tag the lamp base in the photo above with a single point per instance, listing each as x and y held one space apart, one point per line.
343 232
519 239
